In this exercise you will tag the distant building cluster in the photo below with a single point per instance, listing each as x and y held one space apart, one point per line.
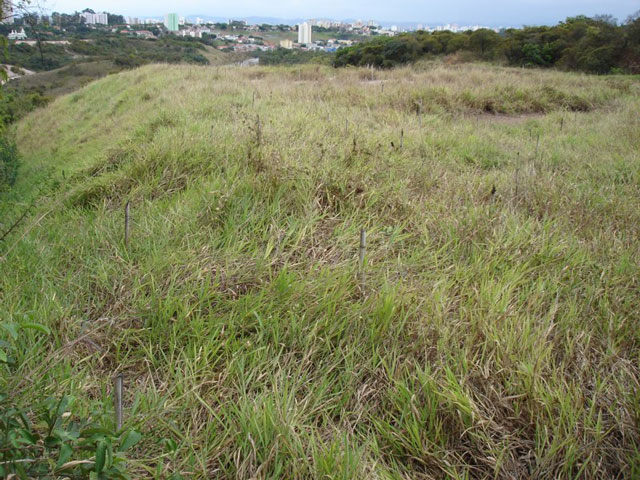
95 18
452 27
17 35
244 37
195 32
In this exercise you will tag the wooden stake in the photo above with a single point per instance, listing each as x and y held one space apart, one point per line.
363 251
127 209
401 138
117 398
561 123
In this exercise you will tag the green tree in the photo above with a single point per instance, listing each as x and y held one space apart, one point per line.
485 43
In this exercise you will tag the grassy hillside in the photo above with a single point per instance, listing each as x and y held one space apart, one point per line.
23 94
496 336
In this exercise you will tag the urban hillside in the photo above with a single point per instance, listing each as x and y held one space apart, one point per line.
487 327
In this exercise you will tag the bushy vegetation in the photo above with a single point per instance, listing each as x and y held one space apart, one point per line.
124 51
594 45
9 162
282 56
496 337
14 105
49 440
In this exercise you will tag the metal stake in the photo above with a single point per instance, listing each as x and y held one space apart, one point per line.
117 383
363 251
127 209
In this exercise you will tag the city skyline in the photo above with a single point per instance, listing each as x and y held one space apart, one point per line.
491 13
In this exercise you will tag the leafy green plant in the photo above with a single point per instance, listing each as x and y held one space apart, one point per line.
14 329
49 440
51 437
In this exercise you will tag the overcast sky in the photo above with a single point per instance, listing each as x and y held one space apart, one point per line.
487 12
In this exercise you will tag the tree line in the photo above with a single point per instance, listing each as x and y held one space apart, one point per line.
589 44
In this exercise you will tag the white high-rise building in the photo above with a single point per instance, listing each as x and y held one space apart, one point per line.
304 33
95 18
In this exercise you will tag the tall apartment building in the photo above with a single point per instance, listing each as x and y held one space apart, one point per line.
304 33
95 18
171 22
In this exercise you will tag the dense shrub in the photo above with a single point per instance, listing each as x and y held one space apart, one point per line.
9 162
15 104
594 45
282 56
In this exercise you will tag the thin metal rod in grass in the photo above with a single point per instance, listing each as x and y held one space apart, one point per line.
258 131
127 223
363 252
117 399
517 177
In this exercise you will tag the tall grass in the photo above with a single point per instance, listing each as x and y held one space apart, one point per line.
499 334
